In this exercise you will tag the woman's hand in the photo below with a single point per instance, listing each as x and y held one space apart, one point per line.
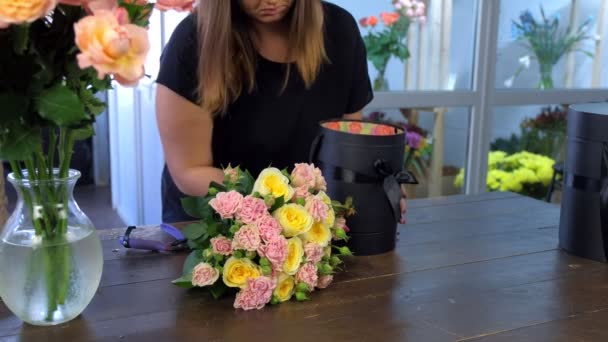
403 204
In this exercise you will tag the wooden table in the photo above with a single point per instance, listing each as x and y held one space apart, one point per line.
483 268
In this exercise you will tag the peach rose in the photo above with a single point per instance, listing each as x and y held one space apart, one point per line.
204 275
389 18
324 281
303 175
178 5
112 48
316 208
24 11
221 245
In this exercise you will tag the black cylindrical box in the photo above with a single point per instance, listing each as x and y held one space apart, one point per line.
583 227
349 160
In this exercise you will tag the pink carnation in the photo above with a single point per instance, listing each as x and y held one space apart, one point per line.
320 183
275 251
227 204
221 245
325 281
204 275
256 294
314 253
317 208
252 210
308 274
301 192
269 228
247 238
303 175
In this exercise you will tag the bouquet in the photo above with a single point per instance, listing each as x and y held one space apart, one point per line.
547 44
267 239
381 45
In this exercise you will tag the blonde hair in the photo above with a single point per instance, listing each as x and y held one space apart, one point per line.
227 57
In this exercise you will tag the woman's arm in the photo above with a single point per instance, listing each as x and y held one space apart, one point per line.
186 132
354 116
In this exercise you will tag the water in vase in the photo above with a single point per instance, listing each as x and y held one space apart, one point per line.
25 280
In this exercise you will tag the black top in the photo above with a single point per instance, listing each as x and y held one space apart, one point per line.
267 127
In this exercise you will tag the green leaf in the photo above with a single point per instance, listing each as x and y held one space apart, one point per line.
18 142
185 281
279 202
301 201
197 207
219 187
195 230
191 261
245 183
92 104
218 289
103 84
61 106
83 132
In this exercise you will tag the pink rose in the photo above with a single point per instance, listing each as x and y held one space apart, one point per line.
317 208
314 253
221 245
303 175
252 209
247 238
269 227
204 275
325 281
178 5
256 294
227 204
320 183
232 173
308 274
275 251
301 192
341 223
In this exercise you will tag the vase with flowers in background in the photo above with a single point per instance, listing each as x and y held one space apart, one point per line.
391 40
547 43
55 57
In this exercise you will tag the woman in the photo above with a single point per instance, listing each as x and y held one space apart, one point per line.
245 82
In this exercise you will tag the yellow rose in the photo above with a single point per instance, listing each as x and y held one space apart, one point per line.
272 182
112 47
323 196
327 252
294 219
295 253
319 234
21 11
237 271
331 217
285 287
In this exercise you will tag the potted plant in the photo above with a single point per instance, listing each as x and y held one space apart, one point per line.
55 56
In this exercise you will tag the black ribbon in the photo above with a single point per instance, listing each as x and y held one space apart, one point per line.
391 180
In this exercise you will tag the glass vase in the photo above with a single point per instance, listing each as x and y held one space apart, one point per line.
380 82
50 254
546 76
